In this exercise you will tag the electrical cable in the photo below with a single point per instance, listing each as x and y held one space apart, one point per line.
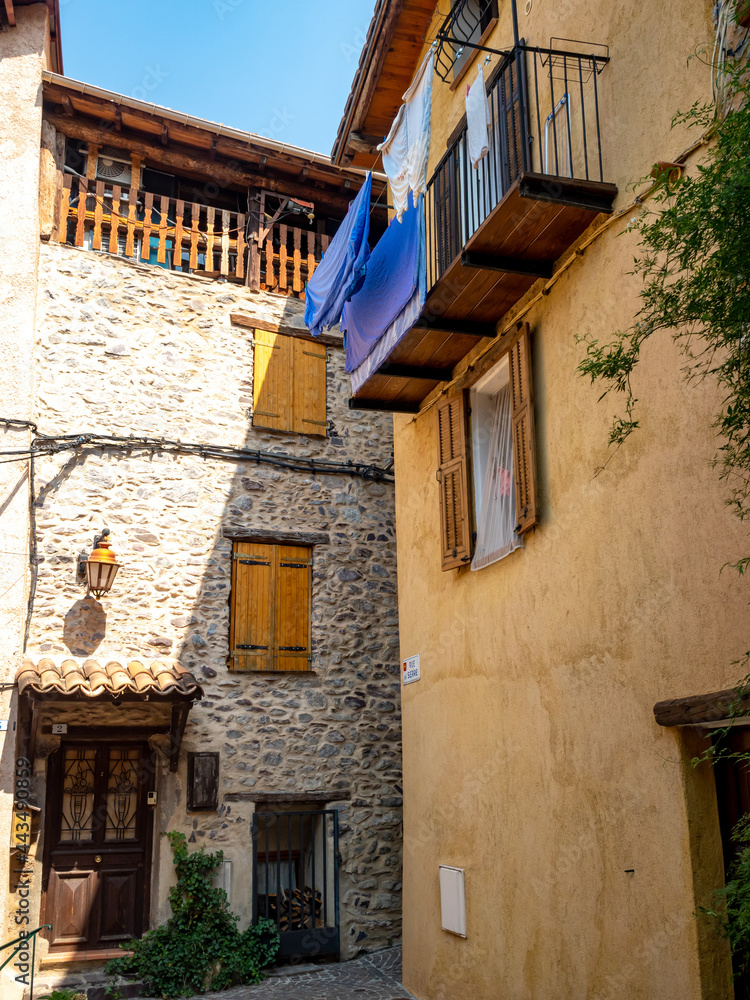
44 445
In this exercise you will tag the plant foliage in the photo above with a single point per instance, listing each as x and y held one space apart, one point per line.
731 909
695 262
200 947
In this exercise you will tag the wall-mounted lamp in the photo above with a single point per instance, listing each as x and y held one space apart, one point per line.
99 570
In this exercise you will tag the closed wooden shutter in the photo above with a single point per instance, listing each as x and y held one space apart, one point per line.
524 453
455 522
273 381
292 633
289 384
270 622
251 629
309 403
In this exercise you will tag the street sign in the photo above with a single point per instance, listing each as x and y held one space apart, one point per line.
411 671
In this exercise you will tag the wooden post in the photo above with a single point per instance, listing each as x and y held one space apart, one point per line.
240 268
114 219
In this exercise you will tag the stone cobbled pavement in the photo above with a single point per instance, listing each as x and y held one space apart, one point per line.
371 977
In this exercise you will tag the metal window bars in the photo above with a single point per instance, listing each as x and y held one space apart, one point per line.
461 29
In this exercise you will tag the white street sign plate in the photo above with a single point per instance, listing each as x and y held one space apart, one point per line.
411 671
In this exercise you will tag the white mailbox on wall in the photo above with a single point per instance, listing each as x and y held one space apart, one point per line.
453 900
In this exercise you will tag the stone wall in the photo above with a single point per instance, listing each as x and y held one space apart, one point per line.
125 348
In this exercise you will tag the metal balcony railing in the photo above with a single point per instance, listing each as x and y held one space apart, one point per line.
544 110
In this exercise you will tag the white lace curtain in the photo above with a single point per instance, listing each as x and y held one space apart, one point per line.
496 536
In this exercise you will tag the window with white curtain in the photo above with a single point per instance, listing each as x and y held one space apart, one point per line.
492 461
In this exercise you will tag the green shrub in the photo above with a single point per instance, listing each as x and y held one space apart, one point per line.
200 947
731 910
64 994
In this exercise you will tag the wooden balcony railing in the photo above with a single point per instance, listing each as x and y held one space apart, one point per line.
185 236
288 257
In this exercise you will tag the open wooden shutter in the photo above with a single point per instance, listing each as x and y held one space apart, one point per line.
273 381
251 627
291 647
524 452
309 403
455 521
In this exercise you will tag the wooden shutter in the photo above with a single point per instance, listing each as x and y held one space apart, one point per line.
309 403
455 522
203 782
251 628
273 381
524 453
291 647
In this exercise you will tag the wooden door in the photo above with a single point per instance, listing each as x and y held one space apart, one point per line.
98 845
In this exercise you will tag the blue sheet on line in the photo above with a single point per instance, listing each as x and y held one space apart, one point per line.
342 269
393 274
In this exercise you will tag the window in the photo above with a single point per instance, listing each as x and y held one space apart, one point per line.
502 453
471 19
270 607
289 384
492 467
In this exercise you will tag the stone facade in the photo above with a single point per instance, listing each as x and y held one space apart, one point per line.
124 348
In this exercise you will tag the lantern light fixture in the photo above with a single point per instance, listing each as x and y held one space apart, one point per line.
99 570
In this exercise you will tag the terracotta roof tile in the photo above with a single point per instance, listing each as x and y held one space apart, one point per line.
114 678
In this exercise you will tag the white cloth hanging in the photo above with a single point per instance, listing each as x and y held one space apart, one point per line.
496 534
478 119
406 148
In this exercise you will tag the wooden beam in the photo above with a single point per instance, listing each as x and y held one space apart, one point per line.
68 106
177 731
194 162
10 13
118 120
595 196
272 536
508 265
164 135
253 323
466 328
363 143
413 371
113 732
325 795
388 405
719 706
199 140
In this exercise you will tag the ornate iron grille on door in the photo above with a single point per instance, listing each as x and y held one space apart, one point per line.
295 878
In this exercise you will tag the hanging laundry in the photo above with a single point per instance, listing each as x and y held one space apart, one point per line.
392 276
407 145
478 119
342 269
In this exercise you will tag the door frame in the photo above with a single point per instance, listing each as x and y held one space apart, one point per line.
100 737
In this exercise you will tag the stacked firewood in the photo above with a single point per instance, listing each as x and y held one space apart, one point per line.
297 904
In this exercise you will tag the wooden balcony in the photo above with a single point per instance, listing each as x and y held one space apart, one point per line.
494 231
185 236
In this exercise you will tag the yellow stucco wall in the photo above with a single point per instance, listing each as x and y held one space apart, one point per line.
531 755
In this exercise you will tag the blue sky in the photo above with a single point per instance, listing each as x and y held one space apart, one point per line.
282 68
